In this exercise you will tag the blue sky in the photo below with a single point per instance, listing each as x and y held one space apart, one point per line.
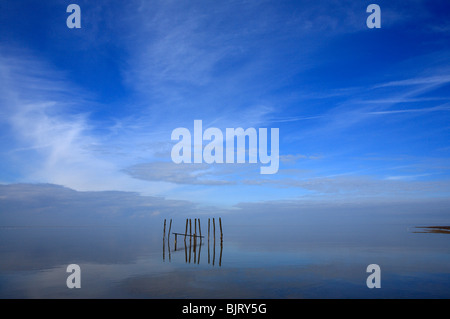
363 113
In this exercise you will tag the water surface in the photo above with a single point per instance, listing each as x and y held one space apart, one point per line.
259 258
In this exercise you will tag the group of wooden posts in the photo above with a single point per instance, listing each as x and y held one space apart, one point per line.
193 237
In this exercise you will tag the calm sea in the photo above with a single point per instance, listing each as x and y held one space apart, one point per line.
285 257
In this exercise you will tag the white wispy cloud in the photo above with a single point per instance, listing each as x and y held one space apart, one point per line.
52 141
360 187
191 60
443 107
191 174
361 104
435 80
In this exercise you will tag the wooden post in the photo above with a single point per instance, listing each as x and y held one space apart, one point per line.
199 229
164 234
214 243
190 247
170 227
208 251
199 249
185 249
214 249
220 257
190 228
164 241
221 242
195 246
221 234
209 220
185 232
195 232
168 248
190 239
175 242
195 238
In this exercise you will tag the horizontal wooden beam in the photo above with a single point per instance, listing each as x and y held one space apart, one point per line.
183 234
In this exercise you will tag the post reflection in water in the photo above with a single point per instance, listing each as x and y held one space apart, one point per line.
195 242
